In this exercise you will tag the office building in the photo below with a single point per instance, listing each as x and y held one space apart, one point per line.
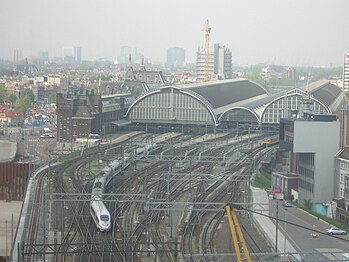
127 53
346 73
77 54
17 56
222 62
72 54
291 73
175 57
218 63
306 138
43 55
202 63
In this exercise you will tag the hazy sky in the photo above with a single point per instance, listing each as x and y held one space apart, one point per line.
289 32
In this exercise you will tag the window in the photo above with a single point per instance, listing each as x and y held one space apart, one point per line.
104 218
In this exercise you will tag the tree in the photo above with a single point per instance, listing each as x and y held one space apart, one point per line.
12 98
29 93
94 88
256 78
5 72
308 203
52 98
23 104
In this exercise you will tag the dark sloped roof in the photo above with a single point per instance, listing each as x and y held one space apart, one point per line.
264 101
221 93
152 78
136 88
82 111
87 105
109 88
326 93
342 103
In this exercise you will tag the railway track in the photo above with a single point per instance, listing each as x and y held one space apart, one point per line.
136 230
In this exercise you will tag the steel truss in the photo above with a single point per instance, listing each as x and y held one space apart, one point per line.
108 247
169 176
152 204
156 205
80 197
171 158
51 249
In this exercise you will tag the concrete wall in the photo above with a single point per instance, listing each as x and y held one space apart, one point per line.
8 151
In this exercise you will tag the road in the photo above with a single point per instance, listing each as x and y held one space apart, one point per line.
301 238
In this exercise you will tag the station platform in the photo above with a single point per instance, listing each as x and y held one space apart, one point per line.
266 225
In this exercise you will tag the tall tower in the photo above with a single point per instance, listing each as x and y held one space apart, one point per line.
207 31
346 73
222 62
17 56
72 54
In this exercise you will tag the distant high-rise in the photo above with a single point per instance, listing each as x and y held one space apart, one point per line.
291 73
219 63
77 54
72 54
346 73
222 62
43 55
175 57
203 64
17 56
126 52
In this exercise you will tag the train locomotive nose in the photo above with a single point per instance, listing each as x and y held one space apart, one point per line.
104 227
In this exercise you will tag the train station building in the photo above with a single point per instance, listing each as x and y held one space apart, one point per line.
202 107
228 102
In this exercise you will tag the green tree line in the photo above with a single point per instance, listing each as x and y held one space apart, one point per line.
20 104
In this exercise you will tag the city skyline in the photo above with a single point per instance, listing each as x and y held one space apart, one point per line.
289 32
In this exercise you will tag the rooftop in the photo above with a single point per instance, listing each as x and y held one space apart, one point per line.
226 92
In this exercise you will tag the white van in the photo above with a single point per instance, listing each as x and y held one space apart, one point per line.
47 130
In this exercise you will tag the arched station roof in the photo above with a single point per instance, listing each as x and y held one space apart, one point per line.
175 104
328 93
226 92
326 98
227 100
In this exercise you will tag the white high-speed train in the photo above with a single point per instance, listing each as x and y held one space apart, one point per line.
98 210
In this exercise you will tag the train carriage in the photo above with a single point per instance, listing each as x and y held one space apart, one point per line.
100 215
98 210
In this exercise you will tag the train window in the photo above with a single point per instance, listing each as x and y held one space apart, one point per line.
104 218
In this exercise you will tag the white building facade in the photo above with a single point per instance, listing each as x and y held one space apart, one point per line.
346 73
315 142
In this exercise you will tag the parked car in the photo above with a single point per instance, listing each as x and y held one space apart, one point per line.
287 204
47 135
335 231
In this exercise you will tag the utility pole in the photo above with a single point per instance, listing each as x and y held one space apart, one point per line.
285 225
277 226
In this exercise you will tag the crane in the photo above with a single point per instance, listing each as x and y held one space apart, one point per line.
207 30
238 238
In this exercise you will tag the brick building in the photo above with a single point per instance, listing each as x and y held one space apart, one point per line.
78 115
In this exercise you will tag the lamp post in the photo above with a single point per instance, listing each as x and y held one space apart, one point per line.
277 226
